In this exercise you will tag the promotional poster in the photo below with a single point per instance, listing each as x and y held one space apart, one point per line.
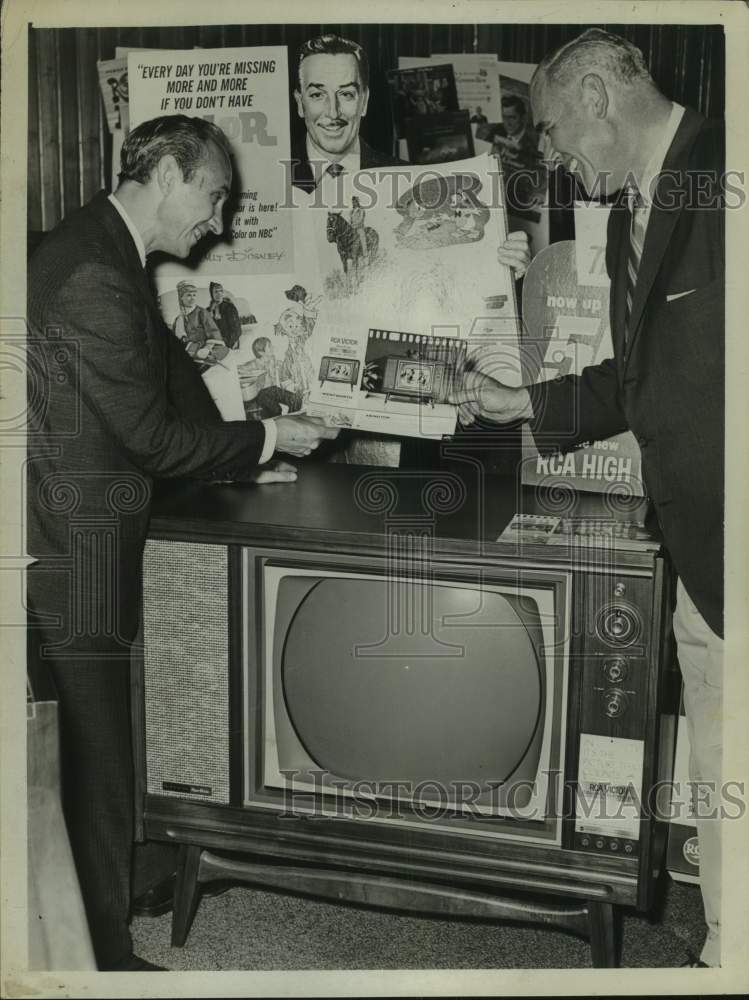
566 304
245 92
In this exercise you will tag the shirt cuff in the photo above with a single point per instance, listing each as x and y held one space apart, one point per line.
271 436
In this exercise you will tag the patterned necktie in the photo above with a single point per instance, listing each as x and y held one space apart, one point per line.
637 227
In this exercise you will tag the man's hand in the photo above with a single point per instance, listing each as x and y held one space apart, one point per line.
479 395
515 252
275 471
299 436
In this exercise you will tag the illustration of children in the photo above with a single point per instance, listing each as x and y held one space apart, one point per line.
297 325
298 293
262 392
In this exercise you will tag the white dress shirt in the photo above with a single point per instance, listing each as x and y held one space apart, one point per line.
646 182
319 161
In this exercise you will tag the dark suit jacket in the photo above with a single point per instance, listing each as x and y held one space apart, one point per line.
667 384
301 171
116 401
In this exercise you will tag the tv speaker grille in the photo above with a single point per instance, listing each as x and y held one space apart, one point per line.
186 670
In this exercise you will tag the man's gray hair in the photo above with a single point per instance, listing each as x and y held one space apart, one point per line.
188 140
593 51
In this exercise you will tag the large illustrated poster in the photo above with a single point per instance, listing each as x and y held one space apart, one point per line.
566 302
245 92
410 289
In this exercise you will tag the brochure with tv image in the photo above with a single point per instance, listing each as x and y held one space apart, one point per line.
400 384
409 253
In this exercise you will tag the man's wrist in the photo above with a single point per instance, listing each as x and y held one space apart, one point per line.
527 411
271 437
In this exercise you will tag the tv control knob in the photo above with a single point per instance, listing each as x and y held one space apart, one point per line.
619 624
614 702
615 669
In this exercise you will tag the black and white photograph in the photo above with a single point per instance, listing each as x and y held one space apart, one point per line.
425 90
439 138
297 705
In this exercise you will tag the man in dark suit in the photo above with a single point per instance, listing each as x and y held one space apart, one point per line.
116 402
609 123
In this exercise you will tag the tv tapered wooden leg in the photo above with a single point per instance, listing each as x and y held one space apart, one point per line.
602 934
185 893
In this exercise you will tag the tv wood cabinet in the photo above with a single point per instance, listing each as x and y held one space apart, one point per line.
209 730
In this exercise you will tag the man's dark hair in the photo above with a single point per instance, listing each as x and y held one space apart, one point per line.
334 45
514 102
186 139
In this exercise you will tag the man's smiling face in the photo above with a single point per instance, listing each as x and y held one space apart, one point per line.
192 209
580 135
331 100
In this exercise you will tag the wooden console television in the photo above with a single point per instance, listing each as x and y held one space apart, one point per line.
350 689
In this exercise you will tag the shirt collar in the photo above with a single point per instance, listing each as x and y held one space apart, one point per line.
140 246
655 164
320 161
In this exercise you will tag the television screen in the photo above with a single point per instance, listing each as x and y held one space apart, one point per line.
414 377
426 687
341 369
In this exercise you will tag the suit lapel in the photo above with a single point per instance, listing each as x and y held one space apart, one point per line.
664 215
123 241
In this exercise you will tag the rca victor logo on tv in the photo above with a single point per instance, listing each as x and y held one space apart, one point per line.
691 851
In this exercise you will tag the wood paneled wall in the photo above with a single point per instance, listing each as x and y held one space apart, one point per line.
69 144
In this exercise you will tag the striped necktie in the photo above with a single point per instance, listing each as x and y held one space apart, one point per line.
637 227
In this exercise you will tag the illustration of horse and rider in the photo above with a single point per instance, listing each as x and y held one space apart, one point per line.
356 242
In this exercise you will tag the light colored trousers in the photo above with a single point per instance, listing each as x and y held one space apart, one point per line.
700 653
